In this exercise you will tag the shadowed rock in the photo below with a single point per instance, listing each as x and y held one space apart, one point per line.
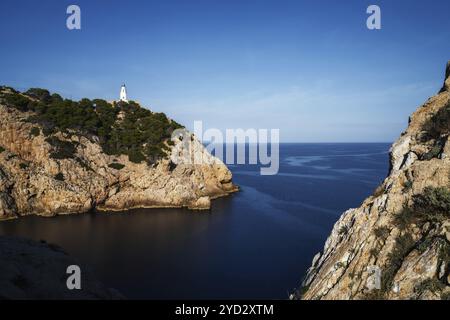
36 270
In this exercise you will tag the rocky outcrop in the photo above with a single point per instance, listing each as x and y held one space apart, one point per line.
396 245
37 270
446 86
32 182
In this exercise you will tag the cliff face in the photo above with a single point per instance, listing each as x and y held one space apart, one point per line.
32 182
396 245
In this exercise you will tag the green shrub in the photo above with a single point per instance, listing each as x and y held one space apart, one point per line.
6 88
403 245
115 165
444 250
23 166
438 125
38 93
433 285
2 149
407 185
142 134
373 295
56 98
343 230
404 218
83 164
382 233
433 153
424 245
59 177
374 252
35 131
47 131
61 149
136 156
433 205
18 101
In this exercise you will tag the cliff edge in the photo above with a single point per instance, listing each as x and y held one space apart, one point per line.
59 156
396 245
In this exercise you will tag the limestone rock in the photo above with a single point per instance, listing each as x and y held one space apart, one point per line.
411 263
202 203
32 182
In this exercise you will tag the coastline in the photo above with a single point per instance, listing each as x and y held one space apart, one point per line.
104 210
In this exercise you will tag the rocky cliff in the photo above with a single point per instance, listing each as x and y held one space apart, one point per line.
36 179
396 245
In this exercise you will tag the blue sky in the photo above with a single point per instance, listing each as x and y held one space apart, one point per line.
310 68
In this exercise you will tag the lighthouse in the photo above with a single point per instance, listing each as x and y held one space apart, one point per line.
123 93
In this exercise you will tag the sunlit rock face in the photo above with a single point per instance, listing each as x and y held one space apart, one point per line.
32 182
396 245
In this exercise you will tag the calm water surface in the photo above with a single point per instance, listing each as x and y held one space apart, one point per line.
256 244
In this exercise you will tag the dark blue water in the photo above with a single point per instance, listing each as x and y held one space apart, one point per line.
255 244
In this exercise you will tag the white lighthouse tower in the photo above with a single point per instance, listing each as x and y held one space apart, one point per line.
123 93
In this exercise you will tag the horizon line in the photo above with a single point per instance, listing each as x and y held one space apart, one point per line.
323 142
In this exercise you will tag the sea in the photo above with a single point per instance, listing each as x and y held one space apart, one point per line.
255 244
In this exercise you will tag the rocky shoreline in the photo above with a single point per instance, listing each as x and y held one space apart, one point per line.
34 182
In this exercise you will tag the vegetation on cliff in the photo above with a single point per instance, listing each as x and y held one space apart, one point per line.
121 128
438 125
436 131
396 245
64 157
432 206
428 212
